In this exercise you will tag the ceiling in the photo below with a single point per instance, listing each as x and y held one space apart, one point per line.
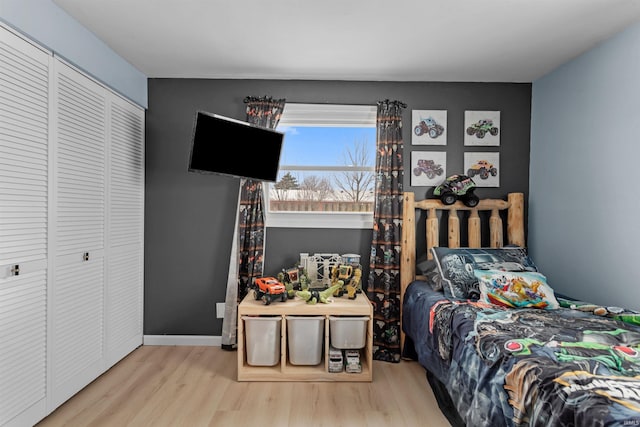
380 40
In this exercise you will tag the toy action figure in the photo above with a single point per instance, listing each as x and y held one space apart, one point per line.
347 277
294 279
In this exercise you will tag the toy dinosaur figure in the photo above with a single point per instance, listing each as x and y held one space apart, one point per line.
312 297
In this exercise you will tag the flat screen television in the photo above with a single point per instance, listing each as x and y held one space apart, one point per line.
221 145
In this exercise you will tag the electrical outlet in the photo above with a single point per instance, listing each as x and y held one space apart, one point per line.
219 310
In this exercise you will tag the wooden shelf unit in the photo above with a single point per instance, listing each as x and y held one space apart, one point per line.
284 370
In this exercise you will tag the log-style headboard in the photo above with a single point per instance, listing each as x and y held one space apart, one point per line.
514 206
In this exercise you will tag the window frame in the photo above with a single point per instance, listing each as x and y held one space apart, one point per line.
321 115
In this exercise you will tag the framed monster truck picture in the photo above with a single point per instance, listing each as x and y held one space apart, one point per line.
429 127
483 168
428 168
482 128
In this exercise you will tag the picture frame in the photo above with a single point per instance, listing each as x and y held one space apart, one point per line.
429 127
482 128
483 168
428 168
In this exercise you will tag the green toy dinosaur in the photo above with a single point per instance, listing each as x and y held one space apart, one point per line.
312 297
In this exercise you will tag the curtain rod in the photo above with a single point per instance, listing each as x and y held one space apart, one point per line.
262 99
367 104
269 98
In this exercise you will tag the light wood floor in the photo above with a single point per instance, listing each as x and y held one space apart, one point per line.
196 386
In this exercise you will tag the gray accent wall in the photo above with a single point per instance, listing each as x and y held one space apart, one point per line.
584 203
189 217
46 23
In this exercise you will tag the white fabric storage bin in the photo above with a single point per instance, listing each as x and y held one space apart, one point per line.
262 339
348 331
305 335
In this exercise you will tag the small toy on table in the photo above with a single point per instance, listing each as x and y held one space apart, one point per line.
347 275
348 279
269 289
294 279
312 297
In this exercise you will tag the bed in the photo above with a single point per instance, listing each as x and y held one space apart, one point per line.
499 346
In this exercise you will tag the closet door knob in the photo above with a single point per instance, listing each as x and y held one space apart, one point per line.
85 256
15 270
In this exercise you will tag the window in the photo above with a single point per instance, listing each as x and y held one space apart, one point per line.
327 167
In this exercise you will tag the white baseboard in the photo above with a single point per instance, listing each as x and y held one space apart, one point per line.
196 340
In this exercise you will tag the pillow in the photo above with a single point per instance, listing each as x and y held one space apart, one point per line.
456 266
516 289
429 270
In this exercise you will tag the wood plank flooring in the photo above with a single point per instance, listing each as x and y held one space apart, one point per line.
196 386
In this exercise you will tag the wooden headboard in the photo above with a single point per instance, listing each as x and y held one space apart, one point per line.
412 209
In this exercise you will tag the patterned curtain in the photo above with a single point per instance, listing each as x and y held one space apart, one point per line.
248 249
384 269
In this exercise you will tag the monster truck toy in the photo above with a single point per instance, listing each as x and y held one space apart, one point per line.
482 168
269 289
457 187
481 127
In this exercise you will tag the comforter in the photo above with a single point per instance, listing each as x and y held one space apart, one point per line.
517 367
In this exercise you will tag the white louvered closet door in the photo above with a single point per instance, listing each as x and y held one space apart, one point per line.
124 290
77 318
24 75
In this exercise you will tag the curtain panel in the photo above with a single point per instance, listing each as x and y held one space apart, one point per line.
383 287
246 262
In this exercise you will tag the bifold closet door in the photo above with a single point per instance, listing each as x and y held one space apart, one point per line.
24 105
78 218
124 289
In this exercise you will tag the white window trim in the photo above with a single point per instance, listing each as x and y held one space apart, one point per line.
318 115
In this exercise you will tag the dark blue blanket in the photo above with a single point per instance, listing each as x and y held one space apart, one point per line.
517 367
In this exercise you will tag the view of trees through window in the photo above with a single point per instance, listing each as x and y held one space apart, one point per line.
325 169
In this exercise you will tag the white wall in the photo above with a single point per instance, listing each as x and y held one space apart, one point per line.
584 200
50 26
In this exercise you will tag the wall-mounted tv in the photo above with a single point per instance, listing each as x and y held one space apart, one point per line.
226 146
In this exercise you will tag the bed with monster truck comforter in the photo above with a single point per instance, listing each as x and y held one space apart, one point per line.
537 365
